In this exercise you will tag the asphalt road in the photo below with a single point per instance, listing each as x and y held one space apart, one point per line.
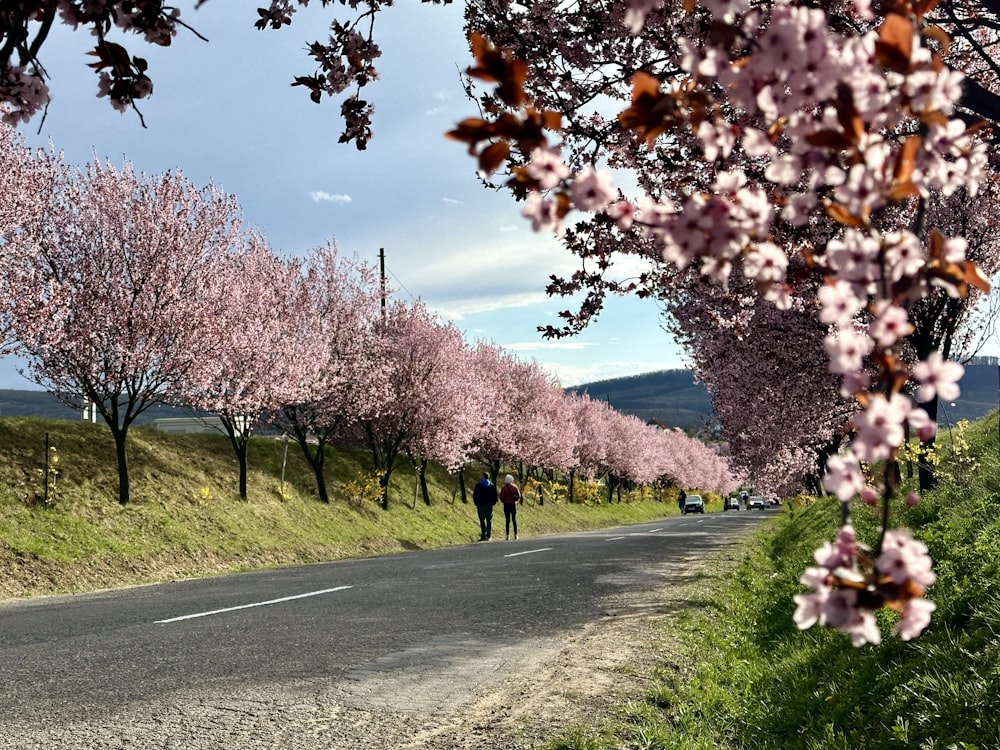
428 625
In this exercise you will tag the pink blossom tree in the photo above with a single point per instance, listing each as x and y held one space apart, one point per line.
333 374
251 309
106 292
428 407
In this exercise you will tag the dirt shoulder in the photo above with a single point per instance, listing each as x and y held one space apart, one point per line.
609 662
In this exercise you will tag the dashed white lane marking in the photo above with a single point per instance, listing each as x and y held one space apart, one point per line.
615 538
248 606
653 531
529 552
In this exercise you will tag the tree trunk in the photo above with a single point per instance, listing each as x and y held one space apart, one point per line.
572 477
461 486
239 439
383 482
423 482
123 483
316 462
241 454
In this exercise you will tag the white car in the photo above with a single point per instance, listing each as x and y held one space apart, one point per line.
756 501
694 504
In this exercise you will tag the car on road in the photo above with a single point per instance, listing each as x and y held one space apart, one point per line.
731 503
694 504
756 502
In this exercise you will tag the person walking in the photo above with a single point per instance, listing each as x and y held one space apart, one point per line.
680 501
510 496
484 495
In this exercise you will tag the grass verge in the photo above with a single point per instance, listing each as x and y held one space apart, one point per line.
62 529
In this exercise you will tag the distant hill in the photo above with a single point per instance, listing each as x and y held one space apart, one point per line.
14 403
980 393
671 396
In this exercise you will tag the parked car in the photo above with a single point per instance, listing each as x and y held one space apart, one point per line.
756 502
731 503
694 504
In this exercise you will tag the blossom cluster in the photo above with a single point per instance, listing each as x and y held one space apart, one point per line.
845 596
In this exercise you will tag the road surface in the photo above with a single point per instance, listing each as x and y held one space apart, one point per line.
367 653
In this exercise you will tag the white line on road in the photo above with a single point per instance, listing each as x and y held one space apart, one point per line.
615 538
653 531
528 552
248 606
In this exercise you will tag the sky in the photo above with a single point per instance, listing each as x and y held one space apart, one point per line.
223 112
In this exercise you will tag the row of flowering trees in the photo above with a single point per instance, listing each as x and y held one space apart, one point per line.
125 291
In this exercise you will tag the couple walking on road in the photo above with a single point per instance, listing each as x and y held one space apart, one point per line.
485 496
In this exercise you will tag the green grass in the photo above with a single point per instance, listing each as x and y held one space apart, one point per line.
753 680
186 518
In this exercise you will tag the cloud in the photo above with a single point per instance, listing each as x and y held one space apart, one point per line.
321 196
461 308
453 201
534 346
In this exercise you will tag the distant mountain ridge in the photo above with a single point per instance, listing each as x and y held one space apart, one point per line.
671 396
27 403
676 399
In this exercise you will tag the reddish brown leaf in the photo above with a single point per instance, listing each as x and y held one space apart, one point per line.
491 157
500 67
923 7
902 184
895 43
940 36
974 277
471 130
835 140
652 112
841 215
552 120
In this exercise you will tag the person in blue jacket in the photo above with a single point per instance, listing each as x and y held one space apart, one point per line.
484 495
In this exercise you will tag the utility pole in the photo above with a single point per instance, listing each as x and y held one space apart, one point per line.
381 261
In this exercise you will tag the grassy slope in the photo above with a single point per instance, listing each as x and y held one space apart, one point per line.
186 518
754 681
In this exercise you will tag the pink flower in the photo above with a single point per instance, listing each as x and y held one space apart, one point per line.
922 423
623 212
915 618
839 304
542 213
905 559
716 140
937 375
862 627
847 350
765 263
547 167
890 325
593 190
808 609
843 476
636 12
879 426
912 500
